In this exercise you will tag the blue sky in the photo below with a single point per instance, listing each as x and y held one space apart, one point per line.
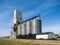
48 9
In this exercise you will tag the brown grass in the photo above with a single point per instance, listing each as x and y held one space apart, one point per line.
31 42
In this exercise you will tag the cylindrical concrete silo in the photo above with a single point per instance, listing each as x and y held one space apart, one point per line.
38 25
19 29
35 26
39 29
28 28
23 29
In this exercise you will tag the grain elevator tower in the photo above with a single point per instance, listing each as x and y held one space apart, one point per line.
17 20
17 17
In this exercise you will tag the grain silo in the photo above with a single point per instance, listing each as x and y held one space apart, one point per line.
19 29
36 29
33 26
28 28
23 31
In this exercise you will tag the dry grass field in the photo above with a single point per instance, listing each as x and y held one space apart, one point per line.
5 41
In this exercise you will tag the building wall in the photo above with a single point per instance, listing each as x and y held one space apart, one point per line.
51 35
44 36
